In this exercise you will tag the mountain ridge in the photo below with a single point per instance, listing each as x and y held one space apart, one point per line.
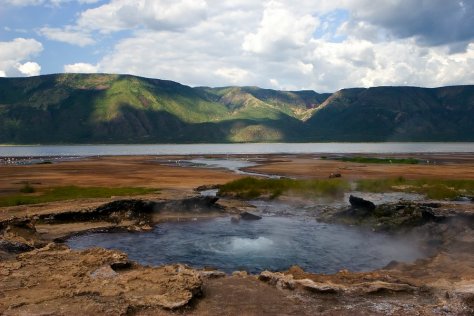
114 108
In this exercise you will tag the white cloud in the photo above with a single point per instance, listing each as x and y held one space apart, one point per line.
280 30
81 68
234 75
363 63
323 45
272 46
2 73
305 69
154 14
29 68
67 35
24 3
15 55
275 83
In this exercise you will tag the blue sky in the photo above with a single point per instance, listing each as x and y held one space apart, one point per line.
282 44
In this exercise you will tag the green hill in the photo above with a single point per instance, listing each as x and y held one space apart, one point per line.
101 108
396 114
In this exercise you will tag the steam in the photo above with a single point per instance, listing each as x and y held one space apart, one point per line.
247 245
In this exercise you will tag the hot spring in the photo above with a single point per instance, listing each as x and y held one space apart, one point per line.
272 243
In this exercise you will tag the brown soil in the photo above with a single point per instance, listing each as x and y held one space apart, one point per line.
54 280
135 171
314 167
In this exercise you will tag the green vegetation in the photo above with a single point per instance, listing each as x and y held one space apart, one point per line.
27 188
249 187
101 108
432 188
408 161
252 187
68 193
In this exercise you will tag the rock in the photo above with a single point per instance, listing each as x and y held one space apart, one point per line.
198 204
214 274
380 286
249 216
360 203
280 280
14 246
235 219
207 187
105 272
240 273
67 280
317 287
334 175
463 198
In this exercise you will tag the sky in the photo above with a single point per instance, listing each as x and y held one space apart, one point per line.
323 45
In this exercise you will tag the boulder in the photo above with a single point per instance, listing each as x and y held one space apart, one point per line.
249 216
360 203
198 204
278 279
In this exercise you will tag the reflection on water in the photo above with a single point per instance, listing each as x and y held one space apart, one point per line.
273 243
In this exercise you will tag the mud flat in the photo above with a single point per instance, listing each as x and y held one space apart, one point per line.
39 274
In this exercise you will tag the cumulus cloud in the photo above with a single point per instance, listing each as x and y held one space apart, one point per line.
29 68
280 30
81 68
15 55
273 45
430 22
154 14
323 45
67 35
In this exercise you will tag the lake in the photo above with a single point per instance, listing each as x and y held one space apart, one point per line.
247 148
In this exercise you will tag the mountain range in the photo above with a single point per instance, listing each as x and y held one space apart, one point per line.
105 108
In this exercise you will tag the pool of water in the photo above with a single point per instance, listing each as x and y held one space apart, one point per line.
273 243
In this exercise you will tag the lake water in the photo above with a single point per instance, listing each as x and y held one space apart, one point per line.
273 243
253 148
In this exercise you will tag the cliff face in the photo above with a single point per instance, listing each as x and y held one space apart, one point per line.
100 108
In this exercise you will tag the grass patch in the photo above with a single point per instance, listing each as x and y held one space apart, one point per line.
432 188
358 159
27 188
250 188
70 193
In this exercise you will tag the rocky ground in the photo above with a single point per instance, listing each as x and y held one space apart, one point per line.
39 275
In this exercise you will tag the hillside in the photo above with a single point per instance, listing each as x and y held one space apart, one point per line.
396 114
101 108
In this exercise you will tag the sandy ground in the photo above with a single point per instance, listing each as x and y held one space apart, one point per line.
136 171
460 166
102 282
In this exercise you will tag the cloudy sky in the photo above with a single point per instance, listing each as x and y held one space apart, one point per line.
323 45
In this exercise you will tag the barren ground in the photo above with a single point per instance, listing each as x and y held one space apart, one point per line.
54 280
